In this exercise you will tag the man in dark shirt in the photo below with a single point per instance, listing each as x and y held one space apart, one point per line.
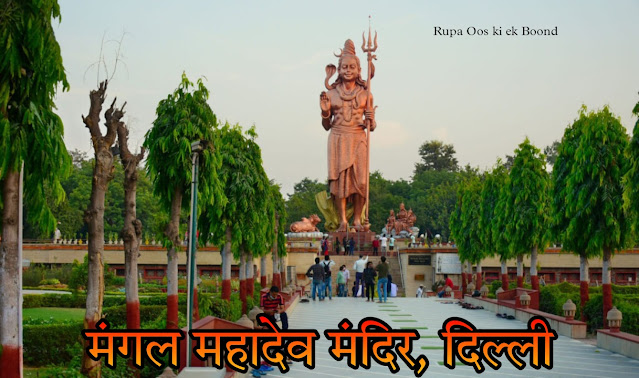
317 272
272 303
382 280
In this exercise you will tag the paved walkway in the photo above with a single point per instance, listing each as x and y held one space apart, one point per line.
571 358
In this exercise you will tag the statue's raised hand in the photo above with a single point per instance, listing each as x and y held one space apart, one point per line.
325 104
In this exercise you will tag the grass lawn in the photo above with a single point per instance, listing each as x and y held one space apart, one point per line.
57 313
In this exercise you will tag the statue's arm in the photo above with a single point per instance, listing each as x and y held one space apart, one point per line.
370 114
325 105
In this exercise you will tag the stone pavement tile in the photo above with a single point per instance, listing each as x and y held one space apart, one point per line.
571 358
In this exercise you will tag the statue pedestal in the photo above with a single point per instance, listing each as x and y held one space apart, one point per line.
363 240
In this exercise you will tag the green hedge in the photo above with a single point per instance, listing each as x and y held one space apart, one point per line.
629 311
78 300
116 315
552 299
616 289
46 344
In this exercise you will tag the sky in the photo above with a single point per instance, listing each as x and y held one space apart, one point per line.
264 62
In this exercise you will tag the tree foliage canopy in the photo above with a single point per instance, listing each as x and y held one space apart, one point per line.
182 118
464 221
492 234
436 156
587 185
527 200
30 131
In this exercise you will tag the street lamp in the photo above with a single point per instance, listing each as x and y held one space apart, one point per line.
196 149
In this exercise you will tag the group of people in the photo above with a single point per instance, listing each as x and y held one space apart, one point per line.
365 273
346 247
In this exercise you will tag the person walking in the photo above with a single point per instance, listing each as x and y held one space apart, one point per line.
382 273
351 246
337 246
345 246
391 244
369 280
317 272
327 264
359 267
383 241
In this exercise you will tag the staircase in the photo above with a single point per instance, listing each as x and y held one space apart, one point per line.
350 260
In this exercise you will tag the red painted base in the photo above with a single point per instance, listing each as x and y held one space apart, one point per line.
520 281
172 311
243 295
478 281
133 315
583 298
277 280
226 290
11 361
534 282
607 302
504 281
250 287
196 306
464 284
263 281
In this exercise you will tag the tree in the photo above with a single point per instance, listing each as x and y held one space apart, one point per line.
551 153
182 118
631 179
30 134
436 156
500 237
527 204
588 193
464 223
494 181
301 203
132 229
94 215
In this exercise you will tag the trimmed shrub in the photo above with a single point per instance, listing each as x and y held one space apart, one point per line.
552 299
117 315
39 342
629 310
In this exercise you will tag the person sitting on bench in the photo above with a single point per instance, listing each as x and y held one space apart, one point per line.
272 303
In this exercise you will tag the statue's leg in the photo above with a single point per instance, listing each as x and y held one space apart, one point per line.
340 204
358 206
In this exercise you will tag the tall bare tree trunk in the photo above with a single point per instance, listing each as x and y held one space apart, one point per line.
479 279
132 230
504 275
263 277
583 284
10 279
173 234
534 279
607 286
520 270
227 260
94 215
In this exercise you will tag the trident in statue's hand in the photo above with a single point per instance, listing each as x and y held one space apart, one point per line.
369 48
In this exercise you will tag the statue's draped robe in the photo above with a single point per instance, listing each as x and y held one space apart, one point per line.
347 156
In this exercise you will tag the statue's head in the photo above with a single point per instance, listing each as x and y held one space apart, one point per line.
401 206
314 219
349 67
